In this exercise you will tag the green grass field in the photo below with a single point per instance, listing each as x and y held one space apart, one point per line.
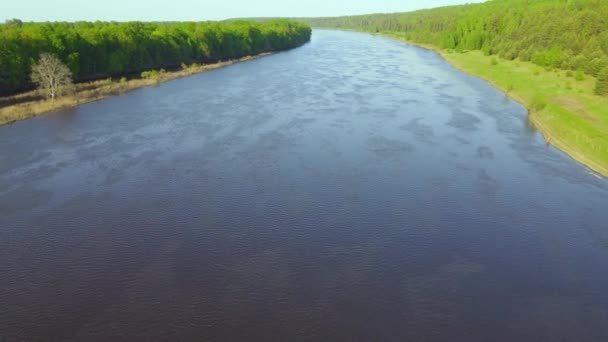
566 111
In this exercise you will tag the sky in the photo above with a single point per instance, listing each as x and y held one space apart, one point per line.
199 10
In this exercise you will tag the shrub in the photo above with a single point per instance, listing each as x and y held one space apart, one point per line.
122 80
538 103
579 61
536 71
152 74
566 61
508 54
569 73
184 66
494 61
525 55
579 75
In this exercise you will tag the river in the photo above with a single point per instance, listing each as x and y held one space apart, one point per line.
353 189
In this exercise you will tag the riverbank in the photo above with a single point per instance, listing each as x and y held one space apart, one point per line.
28 105
563 108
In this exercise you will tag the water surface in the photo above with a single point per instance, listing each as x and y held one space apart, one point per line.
354 189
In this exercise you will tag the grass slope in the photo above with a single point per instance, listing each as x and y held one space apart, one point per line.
565 110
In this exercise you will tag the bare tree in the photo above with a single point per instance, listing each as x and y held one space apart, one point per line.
52 77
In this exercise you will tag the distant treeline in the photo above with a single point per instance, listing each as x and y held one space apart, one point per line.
565 34
94 50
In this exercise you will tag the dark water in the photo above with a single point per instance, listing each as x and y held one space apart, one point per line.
354 189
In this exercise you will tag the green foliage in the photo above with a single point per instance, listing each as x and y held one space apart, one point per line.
579 75
569 73
538 103
596 65
494 61
152 74
547 58
601 86
103 49
122 80
565 34
14 22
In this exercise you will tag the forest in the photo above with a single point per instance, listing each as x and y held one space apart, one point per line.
96 50
564 34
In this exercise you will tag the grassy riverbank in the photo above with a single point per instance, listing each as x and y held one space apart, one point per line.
563 108
27 105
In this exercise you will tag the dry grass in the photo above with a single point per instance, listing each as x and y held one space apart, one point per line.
30 104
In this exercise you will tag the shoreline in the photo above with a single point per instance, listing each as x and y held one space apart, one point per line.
549 136
555 141
88 92
97 90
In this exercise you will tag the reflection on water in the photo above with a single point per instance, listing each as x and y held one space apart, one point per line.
352 189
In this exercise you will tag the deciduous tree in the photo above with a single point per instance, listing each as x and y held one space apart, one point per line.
51 75
108 49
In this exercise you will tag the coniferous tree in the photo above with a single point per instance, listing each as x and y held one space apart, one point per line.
568 34
601 86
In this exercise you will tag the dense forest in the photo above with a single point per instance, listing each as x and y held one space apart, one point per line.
94 50
565 34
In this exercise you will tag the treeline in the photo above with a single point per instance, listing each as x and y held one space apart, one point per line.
565 34
94 50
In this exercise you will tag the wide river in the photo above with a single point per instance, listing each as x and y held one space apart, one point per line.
353 189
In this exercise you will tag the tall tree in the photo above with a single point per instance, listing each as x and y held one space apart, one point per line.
567 34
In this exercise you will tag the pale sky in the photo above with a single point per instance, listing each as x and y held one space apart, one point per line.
199 10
